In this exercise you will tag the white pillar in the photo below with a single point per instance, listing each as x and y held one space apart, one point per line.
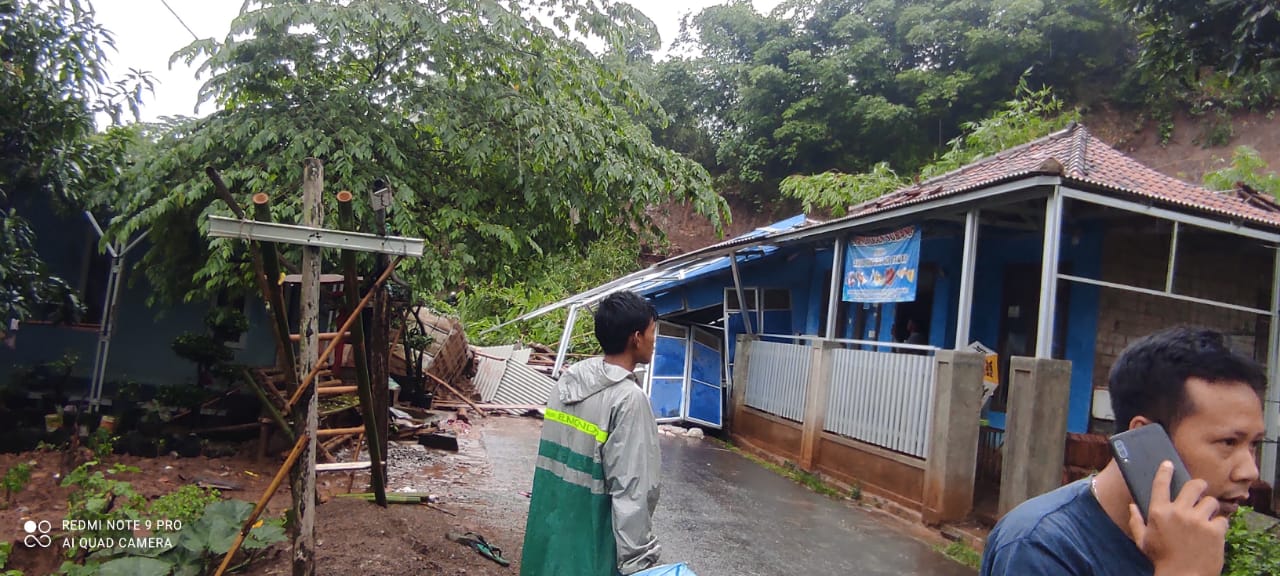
743 306
1271 408
968 266
1049 274
837 280
565 338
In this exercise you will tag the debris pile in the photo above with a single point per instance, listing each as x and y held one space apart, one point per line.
432 349
512 380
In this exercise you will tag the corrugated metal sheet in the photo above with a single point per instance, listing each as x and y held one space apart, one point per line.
489 373
881 398
777 378
521 384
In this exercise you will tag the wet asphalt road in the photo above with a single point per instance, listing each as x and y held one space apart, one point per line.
726 516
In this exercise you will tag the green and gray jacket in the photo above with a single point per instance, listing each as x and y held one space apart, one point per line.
596 484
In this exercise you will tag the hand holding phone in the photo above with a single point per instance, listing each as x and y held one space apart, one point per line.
1138 453
1172 520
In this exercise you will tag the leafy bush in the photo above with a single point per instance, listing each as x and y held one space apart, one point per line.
186 504
102 443
209 527
521 289
1247 166
1250 552
1029 115
99 499
5 549
15 479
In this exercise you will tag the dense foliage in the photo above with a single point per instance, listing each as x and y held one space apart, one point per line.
846 84
497 300
52 81
1030 115
1247 167
515 133
1182 39
501 137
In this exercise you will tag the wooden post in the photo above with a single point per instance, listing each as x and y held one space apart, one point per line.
346 221
379 347
275 296
302 479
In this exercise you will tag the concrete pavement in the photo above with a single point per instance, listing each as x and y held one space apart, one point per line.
727 516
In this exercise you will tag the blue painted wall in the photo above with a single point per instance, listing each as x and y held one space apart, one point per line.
802 271
1082 252
141 346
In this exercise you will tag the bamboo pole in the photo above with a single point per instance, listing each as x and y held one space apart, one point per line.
458 394
334 343
346 221
328 432
261 277
380 341
275 298
266 403
336 390
323 336
262 502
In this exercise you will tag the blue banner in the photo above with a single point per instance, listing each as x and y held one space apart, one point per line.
882 268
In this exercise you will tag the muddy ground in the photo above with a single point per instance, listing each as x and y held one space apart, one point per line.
352 536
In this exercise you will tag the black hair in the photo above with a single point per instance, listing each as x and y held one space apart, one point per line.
1150 377
620 315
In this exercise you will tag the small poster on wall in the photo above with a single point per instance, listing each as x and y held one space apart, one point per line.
882 268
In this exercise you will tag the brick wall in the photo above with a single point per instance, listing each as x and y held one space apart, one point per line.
1209 265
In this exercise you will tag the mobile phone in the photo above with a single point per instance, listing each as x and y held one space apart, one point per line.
1138 453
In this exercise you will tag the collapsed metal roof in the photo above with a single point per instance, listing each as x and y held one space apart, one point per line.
679 269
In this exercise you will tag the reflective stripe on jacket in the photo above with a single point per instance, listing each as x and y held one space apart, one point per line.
596 483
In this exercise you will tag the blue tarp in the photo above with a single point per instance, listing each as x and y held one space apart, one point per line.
667 570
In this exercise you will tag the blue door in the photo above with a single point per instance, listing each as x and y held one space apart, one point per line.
706 397
667 379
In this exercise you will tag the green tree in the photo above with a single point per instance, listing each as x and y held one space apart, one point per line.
1179 38
500 136
818 85
52 82
1031 114
1248 168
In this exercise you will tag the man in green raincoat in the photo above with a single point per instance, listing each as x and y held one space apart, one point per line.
596 483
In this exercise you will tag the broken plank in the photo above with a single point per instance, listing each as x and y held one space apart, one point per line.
342 466
330 432
336 390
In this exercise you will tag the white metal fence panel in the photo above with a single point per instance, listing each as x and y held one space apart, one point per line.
777 377
882 398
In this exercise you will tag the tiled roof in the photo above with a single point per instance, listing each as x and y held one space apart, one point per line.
1078 156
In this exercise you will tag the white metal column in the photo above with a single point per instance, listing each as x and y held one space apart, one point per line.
837 280
968 264
565 338
1271 408
1049 274
742 299
110 307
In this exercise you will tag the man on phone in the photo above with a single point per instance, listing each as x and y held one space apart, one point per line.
1210 401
